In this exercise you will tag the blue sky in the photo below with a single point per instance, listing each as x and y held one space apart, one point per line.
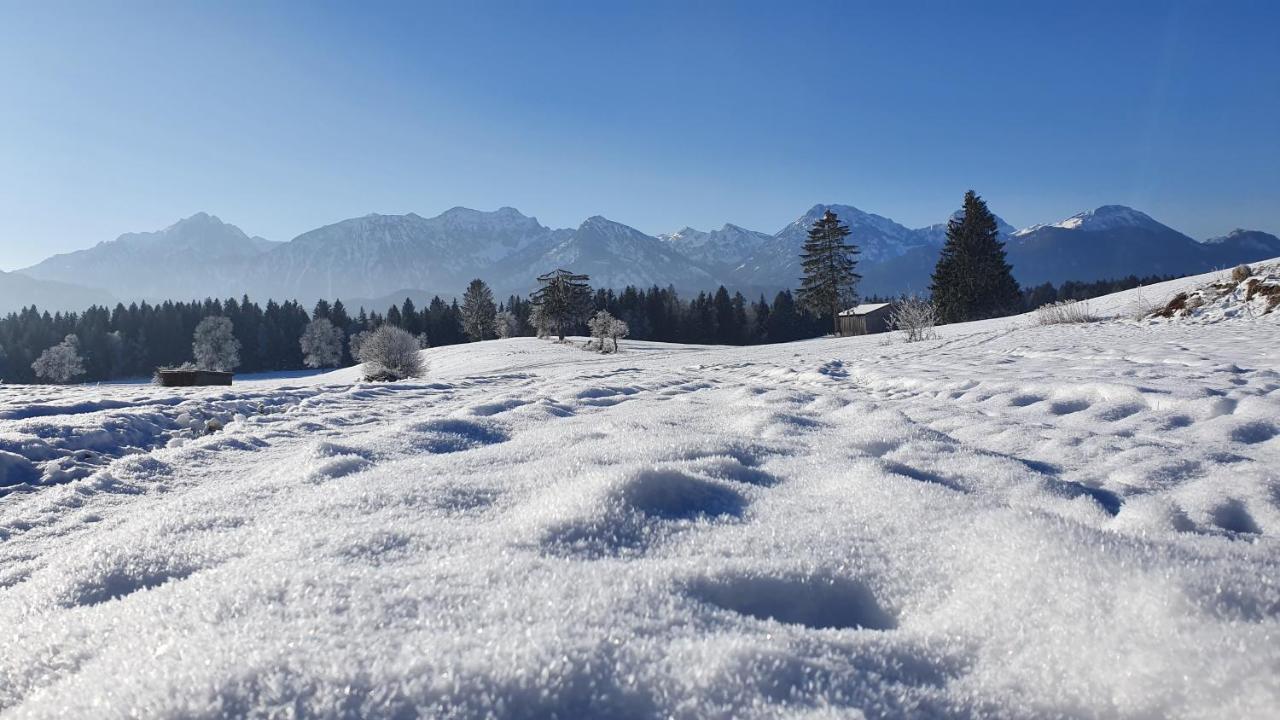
281 117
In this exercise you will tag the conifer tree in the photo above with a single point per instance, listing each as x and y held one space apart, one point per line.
478 311
564 300
829 279
972 280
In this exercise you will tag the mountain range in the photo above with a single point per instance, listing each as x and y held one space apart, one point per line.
375 257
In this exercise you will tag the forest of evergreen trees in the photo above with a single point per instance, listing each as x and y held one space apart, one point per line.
132 341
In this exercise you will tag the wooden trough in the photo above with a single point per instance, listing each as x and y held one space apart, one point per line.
192 378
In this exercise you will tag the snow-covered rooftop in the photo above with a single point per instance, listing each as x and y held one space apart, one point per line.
864 309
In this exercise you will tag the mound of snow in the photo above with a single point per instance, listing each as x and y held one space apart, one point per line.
1253 294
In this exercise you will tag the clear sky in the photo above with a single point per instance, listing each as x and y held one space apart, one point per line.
281 117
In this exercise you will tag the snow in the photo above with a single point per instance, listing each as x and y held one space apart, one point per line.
1009 520
1107 217
865 308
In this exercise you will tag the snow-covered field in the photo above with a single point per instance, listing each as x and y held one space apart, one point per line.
1011 520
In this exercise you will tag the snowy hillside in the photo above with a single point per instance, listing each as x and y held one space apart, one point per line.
1011 520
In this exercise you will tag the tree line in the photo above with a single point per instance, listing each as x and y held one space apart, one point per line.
972 280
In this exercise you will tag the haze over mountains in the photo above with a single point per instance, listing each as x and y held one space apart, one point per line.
376 258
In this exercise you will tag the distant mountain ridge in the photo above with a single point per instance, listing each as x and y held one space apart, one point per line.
184 260
375 255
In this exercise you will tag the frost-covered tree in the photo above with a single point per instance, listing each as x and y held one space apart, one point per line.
507 323
60 363
598 325
390 353
829 280
538 319
355 341
564 300
478 310
915 317
617 330
604 326
321 344
972 280
215 346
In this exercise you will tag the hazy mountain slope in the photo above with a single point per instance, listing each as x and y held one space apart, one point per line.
724 249
198 256
377 256
18 291
374 255
612 254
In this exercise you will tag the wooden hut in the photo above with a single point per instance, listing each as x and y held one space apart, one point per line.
865 319
191 378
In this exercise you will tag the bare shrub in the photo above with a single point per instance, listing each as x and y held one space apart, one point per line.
1143 306
1064 312
1241 273
390 353
915 317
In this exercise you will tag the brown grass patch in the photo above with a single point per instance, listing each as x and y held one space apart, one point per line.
1256 288
1175 306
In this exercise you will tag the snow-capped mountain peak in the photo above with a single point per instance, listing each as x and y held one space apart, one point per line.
1107 217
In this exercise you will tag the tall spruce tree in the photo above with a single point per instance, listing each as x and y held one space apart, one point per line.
972 280
564 300
478 311
829 279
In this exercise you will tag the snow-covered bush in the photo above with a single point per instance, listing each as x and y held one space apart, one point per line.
507 323
214 345
915 318
321 344
60 363
1063 312
390 353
